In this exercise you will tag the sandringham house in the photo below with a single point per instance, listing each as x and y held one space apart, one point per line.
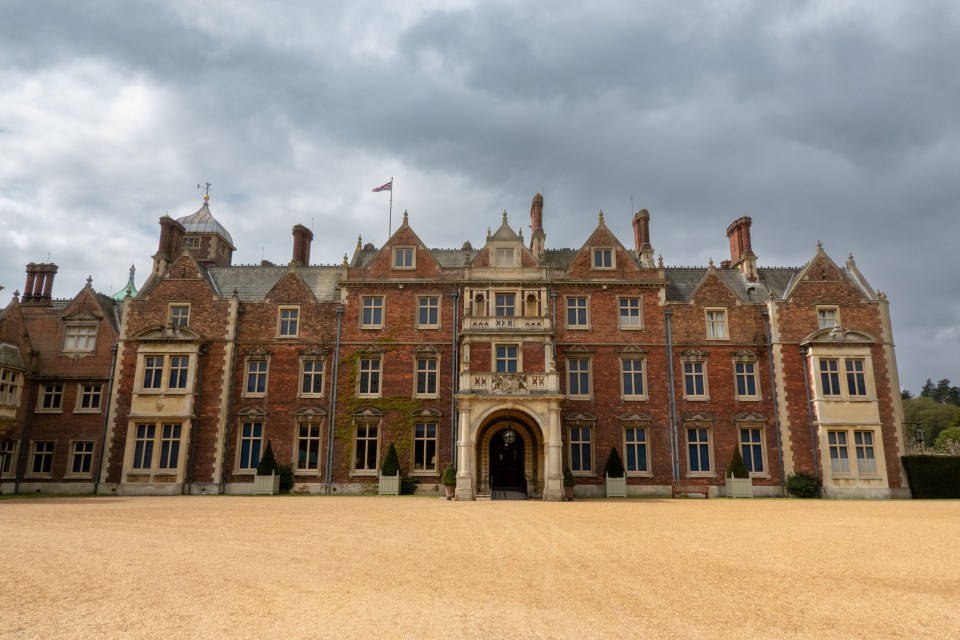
511 359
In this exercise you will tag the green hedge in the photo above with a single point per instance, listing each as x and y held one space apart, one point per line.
933 476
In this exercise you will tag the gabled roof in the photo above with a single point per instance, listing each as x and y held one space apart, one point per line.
253 283
683 282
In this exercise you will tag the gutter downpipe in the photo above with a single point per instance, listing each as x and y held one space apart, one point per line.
773 394
332 420
813 435
674 441
106 420
454 378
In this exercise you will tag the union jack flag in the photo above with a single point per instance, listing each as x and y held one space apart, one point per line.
385 187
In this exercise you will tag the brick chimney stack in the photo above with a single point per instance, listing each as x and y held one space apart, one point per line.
538 238
741 251
170 246
302 237
641 237
38 289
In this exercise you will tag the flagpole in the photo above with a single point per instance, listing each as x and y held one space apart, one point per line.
390 219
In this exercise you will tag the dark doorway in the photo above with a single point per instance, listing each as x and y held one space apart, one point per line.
507 477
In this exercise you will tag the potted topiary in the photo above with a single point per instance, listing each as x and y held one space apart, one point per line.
390 473
449 480
615 476
267 480
739 484
569 482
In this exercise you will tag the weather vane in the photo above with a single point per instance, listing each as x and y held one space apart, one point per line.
206 196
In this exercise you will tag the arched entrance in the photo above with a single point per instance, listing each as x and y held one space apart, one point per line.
507 475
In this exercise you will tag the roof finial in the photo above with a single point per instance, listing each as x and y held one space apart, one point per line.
819 246
710 263
405 217
89 282
206 195
359 241
504 216
601 217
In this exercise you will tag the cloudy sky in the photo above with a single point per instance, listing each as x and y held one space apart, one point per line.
836 121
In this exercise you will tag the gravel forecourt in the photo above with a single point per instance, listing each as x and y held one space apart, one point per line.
414 567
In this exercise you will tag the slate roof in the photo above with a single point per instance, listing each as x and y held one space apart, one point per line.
253 283
10 356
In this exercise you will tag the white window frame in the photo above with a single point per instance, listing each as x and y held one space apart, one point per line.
422 445
50 398
829 377
744 363
176 317
89 449
424 306
319 370
404 258
89 390
507 359
633 445
701 429
191 242
161 441
374 375
856 379
754 446
11 383
47 454
8 462
584 377
82 335
427 372
694 364
288 321
624 358
716 323
261 374
504 257
823 319
853 452
165 369
509 308
575 433
310 433
368 468
579 306
625 311
249 466
597 258
375 306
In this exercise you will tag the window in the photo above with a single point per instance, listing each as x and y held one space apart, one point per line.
504 257
830 376
506 358
8 450
828 317
631 316
631 377
311 377
156 449
426 377
504 304
88 397
81 458
51 397
746 376
863 442
578 378
9 387
635 446
403 258
698 450
839 456
751 448
289 322
368 378
603 258
371 315
425 447
192 242
173 369
79 337
856 383
428 312
577 316
42 463
256 378
251 445
179 315
694 380
581 453
308 446
366 449
716 324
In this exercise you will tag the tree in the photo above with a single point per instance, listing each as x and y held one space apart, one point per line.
905 394
942 392
737 468
268 462
949 440
614 467
391 464
930 415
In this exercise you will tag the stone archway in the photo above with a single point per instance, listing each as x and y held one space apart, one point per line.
509 457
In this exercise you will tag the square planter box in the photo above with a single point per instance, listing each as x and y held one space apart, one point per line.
739 488
616 487
266 485
390 485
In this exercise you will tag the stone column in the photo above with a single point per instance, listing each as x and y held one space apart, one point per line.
553 456
466 458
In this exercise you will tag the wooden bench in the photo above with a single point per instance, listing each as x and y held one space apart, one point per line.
676 488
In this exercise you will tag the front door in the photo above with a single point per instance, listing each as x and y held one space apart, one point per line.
506 462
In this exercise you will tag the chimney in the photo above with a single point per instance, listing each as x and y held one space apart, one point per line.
741 251
171 244
28 287
641 237
39 285
537 237
302 237
49 271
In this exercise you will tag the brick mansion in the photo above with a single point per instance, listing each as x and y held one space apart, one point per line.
512 359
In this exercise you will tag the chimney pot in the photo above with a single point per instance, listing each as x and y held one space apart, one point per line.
302 237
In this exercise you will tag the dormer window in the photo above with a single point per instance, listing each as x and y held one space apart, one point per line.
504 257
603 258
80 337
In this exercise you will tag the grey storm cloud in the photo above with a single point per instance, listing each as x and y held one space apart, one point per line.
831 121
